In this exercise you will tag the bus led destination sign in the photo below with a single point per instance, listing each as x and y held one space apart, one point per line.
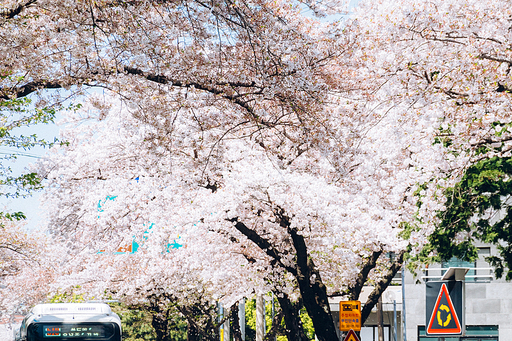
74 331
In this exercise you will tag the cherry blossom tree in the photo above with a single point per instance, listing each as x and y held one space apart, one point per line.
261 62
453 57
285 154
242 124
27 263
239 207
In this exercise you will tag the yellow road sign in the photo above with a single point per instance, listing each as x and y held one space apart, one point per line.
350 315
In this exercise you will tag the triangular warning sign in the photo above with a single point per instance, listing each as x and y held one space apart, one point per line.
444 319
351 336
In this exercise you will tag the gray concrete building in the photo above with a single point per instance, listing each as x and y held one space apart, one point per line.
488 301
487 305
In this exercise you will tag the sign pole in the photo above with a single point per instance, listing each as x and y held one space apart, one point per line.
394 321
404 324
260 317
380 319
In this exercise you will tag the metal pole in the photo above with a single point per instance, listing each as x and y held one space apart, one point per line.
273 314
380 319
264 316
394 319
221 327
227 331
403 302
260 318
241 317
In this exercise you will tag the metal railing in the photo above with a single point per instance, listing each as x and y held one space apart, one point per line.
473 275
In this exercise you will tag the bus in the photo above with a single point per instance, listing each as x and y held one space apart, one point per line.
70 322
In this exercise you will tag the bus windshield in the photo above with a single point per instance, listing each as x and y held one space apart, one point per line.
73 331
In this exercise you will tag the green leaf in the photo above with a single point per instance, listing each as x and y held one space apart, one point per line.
479 207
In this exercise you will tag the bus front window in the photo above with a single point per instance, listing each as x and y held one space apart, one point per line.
73 331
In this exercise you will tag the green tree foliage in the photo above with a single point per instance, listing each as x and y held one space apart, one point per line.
137 323
67 297
16 115
478 208
250 321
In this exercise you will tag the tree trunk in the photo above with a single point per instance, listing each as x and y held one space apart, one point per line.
235 326
192 332
313 291
202 321
161 325
291 313
276 328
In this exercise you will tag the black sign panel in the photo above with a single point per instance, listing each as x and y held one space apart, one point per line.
76 331
445 308
93 331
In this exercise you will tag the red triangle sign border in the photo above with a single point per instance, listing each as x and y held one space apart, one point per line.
457 329
351 336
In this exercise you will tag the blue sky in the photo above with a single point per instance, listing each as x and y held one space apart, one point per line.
30 206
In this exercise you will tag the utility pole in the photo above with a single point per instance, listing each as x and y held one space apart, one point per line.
404 324
241 317
260 318
380 320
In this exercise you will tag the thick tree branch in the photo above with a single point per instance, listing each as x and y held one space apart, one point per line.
27 89
382 286
262 243
312 288
18 249
355 290
11 13
201 86
496 59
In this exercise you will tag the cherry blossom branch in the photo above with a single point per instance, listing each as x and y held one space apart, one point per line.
262 243
27 89
370 264
382 285
189 84
425 36
17 249
243 24
9 14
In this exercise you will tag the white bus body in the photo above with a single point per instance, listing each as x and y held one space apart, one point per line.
70 322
